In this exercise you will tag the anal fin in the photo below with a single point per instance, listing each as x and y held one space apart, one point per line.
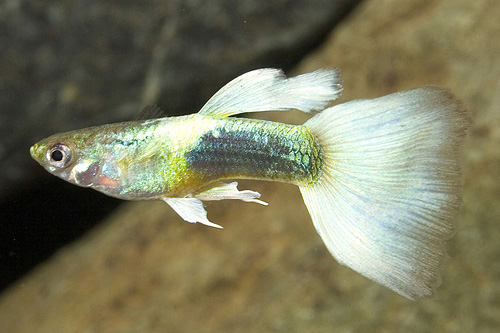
191 208
223 191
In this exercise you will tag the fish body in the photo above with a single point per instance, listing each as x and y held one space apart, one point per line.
380 177
176 156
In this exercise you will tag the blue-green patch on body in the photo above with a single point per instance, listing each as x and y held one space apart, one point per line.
245 148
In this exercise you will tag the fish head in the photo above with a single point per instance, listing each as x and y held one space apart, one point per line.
80 158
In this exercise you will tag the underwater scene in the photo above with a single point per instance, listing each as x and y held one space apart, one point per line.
368 202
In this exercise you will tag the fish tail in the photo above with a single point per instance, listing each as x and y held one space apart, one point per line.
390 185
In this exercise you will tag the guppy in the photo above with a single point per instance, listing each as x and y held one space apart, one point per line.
380 177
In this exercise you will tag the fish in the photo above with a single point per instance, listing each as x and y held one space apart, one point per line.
381 177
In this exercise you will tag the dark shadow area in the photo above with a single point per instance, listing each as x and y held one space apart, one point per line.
35 223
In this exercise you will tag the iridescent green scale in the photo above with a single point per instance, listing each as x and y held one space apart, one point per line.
247 148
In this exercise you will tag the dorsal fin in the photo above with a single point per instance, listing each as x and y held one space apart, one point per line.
269 89
151 112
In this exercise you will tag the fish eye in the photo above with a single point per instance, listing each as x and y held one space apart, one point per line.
59 156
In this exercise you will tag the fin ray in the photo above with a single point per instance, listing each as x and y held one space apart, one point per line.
151 112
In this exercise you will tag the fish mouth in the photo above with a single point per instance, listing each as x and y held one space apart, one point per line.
32 150
35 151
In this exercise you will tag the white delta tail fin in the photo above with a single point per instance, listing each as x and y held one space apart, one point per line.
391 185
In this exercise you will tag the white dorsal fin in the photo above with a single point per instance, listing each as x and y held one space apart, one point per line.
269 89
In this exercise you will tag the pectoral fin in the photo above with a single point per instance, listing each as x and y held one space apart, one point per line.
151 112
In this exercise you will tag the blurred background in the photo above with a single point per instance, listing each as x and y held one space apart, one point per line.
73 260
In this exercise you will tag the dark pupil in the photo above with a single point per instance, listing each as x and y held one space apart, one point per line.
57 155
